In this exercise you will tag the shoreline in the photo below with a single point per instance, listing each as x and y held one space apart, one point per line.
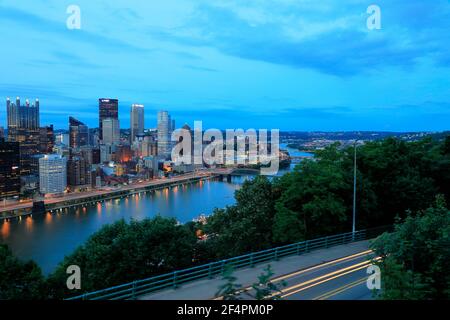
55 204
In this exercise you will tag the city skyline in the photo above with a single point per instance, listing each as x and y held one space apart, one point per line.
287 65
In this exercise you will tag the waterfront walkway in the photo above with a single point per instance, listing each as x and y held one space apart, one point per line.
286 268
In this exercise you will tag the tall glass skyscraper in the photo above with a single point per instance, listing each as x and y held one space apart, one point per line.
108 108
111 131
23 127
78 133
9 169
136 121
164 131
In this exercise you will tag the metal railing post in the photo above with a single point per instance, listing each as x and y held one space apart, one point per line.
298 248
251 260
210 271
133 291
276 254
326 242
175 280
306 245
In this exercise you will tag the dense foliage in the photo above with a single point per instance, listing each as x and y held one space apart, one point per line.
415 256
19 280
393 177
123 252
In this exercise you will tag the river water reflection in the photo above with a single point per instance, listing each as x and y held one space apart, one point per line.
48 238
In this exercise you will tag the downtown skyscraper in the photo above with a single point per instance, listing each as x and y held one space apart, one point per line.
136 121
78 133
23 127
9 169
111 132
165 129
107 108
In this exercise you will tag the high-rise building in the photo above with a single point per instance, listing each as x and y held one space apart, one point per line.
111 131
62 138
9 169
108 108
46 139
136 121
78 133
52 174
23 127
106 152
164 130
78 173
147 147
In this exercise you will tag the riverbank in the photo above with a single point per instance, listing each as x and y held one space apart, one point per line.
93 197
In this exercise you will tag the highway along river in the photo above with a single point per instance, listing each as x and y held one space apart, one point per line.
47 238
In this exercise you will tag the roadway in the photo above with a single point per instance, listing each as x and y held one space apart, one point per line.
331 273
341 279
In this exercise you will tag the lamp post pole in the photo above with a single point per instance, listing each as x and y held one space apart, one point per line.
354 193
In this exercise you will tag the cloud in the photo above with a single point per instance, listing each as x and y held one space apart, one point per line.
203 69
47 26
325 37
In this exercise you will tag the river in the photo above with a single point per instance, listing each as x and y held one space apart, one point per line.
49 237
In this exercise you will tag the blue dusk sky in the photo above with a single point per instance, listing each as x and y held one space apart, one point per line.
287 64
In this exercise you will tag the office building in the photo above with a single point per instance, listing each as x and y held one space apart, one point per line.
78 174
23 127
52 174
111 131
46 139
78 133
164 131
62 138
9 169
106 153
136 121
108 108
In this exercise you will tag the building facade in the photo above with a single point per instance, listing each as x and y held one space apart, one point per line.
78 133
164 129
111 131
108 108
9 170
46 139
52 174
78 174
136 121
23 127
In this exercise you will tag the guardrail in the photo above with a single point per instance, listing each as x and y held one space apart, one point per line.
175 279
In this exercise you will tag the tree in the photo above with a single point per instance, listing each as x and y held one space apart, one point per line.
124 252
265 289
19 280
246 226
415 256
312 201
230 289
